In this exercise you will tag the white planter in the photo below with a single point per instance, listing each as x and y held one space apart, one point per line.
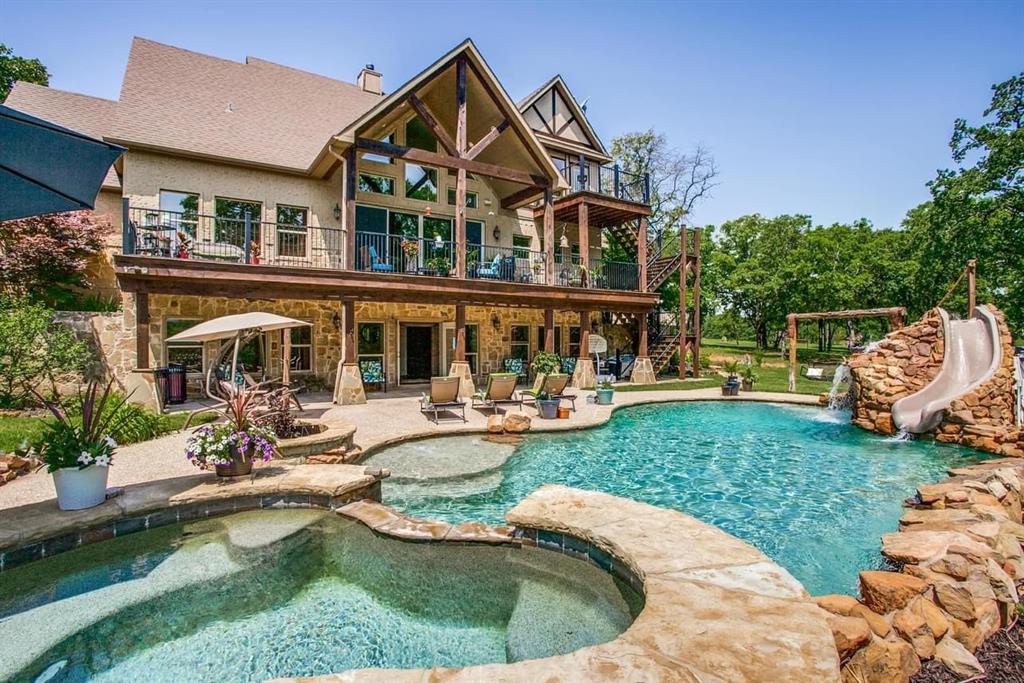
78 489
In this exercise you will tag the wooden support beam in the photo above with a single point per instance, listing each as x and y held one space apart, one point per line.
584 239
584 334
517 199
853 314
141 330
641 254
696 303
460 177
421 156
549 330
423 111
641 347
684 307
549 237
460 333
792 328
286 356
349 332
486 140
350 209
972 274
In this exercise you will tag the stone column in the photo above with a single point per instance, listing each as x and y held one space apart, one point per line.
584 377
460 366
349 388
643 369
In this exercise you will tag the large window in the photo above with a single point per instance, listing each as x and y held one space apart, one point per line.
380 159
301 359
521 246
370 341
420 182
376 184
292 222
229 225
179 210
437 227
187 353
471 198
519 342
419 135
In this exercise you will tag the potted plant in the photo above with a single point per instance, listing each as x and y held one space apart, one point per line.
254 253
184 245
546 363
731 387
749 377
411 250
547 407
231 447
440 266
605 393
78 449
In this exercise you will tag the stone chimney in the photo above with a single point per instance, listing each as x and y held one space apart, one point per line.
370 80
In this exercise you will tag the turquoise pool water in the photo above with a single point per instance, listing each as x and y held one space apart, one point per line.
293 593
811 491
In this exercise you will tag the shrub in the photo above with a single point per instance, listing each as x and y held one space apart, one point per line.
35 350
546 363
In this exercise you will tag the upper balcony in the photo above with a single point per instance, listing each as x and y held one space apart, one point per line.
609 180
189 237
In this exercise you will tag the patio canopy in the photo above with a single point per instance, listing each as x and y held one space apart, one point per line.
46 168
229 326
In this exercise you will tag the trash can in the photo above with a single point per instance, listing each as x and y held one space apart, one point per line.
161 381
177 390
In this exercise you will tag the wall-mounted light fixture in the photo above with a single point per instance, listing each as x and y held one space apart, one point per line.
426 212
336 321
563 241
497 232
495 321
337 212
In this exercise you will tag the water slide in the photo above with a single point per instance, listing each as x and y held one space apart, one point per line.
973 354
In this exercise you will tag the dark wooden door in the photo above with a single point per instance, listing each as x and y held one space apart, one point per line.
418 343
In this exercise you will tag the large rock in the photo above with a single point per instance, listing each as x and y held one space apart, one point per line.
850 633
1002 584
495 424
956 600
882 661
516 423
837 604
876 622
887 591
913 628
957 658
932 615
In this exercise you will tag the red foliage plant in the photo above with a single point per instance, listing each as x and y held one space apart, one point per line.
41 256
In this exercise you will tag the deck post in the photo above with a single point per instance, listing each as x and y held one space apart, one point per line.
583 220
549 237
641 252
460 174
972 271
792 333
460 366
549 330
643 368
141 330
286 357
583 377
696 302
127 236
247 237
684 308
349 389
350 209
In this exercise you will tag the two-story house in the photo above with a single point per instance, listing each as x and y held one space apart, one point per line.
439 228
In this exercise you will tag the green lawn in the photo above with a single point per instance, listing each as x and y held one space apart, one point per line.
769 379
805 351
16 430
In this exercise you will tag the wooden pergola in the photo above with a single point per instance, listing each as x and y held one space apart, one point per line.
895 314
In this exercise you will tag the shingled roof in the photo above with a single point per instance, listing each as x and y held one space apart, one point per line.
257 111
89 115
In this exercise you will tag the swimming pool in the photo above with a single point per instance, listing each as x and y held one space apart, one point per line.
268 594
810 490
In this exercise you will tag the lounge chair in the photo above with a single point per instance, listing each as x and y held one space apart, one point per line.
372 259
372 372
444 395
501 390
492 271
554 386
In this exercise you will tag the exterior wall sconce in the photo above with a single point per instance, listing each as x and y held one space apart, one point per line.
426 211
438 241
336 321
563 241
337 212
497 232
495 321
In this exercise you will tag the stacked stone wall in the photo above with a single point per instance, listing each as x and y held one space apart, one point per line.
906 360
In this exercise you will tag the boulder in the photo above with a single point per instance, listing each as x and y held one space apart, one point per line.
965 634
850 633
495 424
988 620
882 661
836 604
876 622
956 600
915 630
516 423
932 615
952 565
887 591
957 658
1001 583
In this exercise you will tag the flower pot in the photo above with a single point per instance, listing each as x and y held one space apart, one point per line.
239 466
78 489
748 385
563 413
604 397
731 388
548 409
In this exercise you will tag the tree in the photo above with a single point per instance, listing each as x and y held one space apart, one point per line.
678 180
44 257
14 68
977 210
35 350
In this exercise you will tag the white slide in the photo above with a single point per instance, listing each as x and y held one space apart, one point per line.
973 354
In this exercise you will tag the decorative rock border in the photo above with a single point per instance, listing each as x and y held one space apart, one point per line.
334 439
716 609
32 532
960 554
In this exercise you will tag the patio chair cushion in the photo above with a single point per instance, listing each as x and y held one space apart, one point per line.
444 390
372 371
569 365
516 366
555 384
500 387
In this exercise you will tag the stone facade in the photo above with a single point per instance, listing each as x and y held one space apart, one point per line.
961 559
908 359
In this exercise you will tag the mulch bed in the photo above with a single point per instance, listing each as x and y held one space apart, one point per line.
1002 655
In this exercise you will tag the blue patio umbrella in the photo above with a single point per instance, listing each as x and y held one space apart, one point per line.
45 168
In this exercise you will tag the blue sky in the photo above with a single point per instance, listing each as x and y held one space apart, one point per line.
837 110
